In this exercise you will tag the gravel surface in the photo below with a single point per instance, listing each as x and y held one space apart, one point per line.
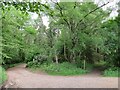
20 77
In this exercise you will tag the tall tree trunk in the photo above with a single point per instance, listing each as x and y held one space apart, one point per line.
84 65
56 59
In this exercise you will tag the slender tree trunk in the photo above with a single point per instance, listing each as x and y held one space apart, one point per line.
84 65
56 59
65 56
74 55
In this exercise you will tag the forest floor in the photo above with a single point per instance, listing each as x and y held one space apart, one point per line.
21 77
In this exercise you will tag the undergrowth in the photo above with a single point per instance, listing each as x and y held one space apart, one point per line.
58 69
3 75
112 72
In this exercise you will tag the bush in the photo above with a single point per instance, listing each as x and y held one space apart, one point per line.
88 66
40 58
34 64
59 69
6 66
112 72
3 75
101 63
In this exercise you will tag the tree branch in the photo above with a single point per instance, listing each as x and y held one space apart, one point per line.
90 23
62 14
91 12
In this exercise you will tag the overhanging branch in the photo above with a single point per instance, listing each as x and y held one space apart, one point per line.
91 12
62 14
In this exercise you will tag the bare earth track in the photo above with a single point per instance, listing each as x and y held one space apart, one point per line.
20 77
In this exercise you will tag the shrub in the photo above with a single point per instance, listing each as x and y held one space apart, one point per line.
6 66
33 64
112 72
64 68
40 58
88 66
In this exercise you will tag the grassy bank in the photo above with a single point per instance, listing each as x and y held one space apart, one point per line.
3 75
64 69
112 72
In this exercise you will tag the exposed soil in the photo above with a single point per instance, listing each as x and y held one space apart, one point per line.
20 77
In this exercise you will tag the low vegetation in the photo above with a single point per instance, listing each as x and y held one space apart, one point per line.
3 75
58 69
112 72
11 65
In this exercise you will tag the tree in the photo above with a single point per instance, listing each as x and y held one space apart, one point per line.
12 40
79 36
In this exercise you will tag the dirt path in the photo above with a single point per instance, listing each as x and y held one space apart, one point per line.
20 77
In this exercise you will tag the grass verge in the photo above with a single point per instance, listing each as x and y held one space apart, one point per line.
3 75
112 72
64 69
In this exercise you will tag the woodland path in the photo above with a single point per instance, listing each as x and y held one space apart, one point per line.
20 77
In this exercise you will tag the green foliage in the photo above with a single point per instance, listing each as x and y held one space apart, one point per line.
30 30
7 66
17 36
111 43
59 69
80 39
27 6
101 63
77 33
3 75
80 64
112 72
12 39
